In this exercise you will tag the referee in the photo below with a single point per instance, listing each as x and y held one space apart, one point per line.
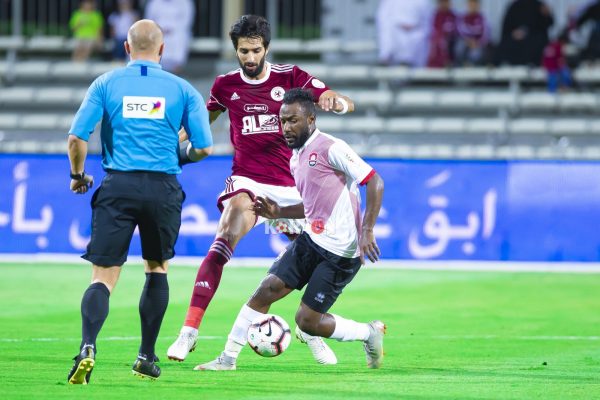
142 109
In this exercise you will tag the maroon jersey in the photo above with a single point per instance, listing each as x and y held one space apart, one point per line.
260 152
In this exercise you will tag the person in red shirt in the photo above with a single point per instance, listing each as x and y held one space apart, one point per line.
473 34
555 64
443 36
253 95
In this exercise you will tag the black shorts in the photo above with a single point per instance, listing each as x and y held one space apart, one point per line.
325 274
150 200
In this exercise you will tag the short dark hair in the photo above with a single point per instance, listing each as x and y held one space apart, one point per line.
303 97
251 26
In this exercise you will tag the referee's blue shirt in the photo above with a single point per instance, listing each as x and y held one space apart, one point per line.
142 109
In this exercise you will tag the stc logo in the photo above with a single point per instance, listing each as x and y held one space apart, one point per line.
144 107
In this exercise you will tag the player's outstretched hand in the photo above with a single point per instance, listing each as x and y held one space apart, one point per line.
81 186
265 207
368 246
327 101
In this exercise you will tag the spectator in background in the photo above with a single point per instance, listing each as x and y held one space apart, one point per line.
555 64
86 24
443 36
525 32
473 40
176 18
119 22
589 12
403 32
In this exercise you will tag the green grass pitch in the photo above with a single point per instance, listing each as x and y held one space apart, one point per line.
451 335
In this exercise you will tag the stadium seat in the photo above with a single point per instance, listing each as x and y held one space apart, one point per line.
11 42
70 70
319 70
430 75
332 124
479 74
446 125
322 46
592 152
359 46
9 121
594 126
350 72
540 101
55 96
208 45
282 45
46 43
509 74
537 75
37 70
578 101
17 96
39 121
371 98
479 152
405 125
528 126
504 99
455 99
485 125
416 99
391 73
100 68
64 122
588 75
569 126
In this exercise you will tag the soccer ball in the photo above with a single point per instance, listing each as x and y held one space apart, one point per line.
269 335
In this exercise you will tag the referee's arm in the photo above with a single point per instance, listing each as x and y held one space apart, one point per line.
196 123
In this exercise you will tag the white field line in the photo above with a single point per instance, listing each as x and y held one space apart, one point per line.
435 337
265 262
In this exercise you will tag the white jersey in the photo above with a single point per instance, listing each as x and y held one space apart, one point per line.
327 173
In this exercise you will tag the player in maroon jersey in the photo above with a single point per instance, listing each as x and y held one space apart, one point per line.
253 95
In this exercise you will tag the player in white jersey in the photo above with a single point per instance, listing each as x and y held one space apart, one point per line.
334 244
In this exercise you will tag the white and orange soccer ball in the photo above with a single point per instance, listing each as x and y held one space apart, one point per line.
269 335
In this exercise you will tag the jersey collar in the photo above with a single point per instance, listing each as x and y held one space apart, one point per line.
147 63
308 141
257 81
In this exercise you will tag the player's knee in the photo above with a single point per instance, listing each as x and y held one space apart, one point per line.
271 287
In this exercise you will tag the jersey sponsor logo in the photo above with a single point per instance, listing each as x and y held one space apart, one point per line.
259 108
312 159
235 96
143 107
277 93
262 123
317 83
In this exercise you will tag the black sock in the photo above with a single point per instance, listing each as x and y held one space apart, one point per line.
94 310
153 305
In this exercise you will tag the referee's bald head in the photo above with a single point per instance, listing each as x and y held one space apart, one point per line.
145 36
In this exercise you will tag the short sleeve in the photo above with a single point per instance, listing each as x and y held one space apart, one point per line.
214 104
90 112
304 80
343 158
195 120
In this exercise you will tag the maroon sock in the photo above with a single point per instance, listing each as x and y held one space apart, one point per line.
207 281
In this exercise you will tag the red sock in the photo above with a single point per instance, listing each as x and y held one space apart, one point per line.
207 281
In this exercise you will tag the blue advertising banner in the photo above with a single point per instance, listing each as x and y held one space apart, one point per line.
432 210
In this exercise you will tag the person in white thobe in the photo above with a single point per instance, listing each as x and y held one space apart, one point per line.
403 30
176 18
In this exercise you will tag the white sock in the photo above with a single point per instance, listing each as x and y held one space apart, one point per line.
239 332
347 330
188 329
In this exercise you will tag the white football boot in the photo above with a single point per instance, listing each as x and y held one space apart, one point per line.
374 344
221 363
319 349
183 345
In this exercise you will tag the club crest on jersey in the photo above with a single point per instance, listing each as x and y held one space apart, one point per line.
312 159
277 93
317 83
257 108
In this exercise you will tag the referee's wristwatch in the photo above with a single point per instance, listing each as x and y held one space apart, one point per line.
78 177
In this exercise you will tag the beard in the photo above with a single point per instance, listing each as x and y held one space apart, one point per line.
299 140
259 68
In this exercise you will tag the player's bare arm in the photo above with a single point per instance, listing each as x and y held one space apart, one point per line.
212 115
333 101
267 208
80 181
368 245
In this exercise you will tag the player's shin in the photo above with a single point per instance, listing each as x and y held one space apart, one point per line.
237 338
207 281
